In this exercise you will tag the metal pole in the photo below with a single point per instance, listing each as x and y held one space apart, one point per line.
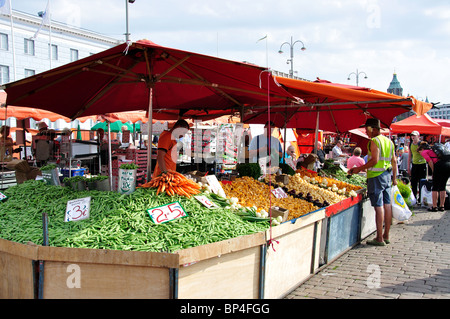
150 133
127 34
109 155
292 59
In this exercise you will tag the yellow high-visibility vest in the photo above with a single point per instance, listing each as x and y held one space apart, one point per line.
386 152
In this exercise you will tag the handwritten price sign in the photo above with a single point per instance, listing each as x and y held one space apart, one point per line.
279 193
166 213
205 201
2 196
78 209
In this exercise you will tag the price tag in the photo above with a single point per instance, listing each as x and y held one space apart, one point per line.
78 209
205 201
2 196
279 193
214 184
166 213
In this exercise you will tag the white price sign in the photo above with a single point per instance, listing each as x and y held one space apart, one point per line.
214 184
166 213
2 196
205 201
279 193
78 209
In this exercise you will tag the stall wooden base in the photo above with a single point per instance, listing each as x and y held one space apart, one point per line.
263 265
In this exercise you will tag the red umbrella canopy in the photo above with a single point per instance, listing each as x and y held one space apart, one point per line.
119 79
340 107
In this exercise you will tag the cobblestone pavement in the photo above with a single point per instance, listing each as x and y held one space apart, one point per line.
415 265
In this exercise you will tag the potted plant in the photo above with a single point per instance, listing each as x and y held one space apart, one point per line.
127 178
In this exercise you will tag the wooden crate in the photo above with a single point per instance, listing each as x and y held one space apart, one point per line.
294 256
222 270
16 270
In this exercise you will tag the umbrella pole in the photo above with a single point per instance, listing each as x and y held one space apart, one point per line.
109 155
316 137
150 133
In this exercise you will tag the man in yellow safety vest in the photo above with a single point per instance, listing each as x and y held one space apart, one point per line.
381 162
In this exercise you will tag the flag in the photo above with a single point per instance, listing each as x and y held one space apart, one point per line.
46 16
5 7
262 38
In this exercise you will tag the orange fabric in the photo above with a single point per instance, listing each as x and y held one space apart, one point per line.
424 124
166 142
322 90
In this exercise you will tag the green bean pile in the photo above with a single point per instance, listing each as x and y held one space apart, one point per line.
116 221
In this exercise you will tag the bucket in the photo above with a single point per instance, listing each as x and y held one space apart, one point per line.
127 181
51 177
78 186
103 185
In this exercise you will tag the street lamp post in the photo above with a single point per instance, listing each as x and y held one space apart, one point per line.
291 60
127 33
357 76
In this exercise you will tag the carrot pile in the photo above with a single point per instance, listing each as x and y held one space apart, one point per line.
173 183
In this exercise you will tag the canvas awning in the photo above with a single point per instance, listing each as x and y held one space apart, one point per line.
423 124
125 78
340 107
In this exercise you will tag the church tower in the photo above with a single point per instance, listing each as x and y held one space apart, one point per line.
395 87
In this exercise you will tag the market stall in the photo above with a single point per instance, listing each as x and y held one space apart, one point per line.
189 257
159 239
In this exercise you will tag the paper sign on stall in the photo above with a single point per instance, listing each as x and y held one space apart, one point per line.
205 201
2 196
214 184
279 193
166 213
78 209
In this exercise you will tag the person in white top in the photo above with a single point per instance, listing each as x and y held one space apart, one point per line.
447 144
337 150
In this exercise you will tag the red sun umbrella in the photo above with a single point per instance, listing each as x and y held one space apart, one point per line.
128 78
337 107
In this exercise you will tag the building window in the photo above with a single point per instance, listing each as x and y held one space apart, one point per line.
73 55
29 46
54 52
29 72
3 41
4 74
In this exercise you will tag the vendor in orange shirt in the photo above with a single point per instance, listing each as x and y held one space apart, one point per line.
167 148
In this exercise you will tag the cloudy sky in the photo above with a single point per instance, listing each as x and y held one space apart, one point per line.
377 37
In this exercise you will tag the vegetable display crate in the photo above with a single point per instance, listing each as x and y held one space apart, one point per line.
341 230
241 267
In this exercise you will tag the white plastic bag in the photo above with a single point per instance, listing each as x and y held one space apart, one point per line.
400 211
426 196
412 199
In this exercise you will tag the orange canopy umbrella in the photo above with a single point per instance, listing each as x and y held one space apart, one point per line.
424 124
21 113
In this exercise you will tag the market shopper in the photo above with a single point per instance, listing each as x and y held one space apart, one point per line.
441 173
259 146
380 164
417 167
356 160
166 158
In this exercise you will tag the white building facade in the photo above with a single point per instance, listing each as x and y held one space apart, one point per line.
23 55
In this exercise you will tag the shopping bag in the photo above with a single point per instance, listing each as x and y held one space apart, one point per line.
400 211
412 199
426 196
